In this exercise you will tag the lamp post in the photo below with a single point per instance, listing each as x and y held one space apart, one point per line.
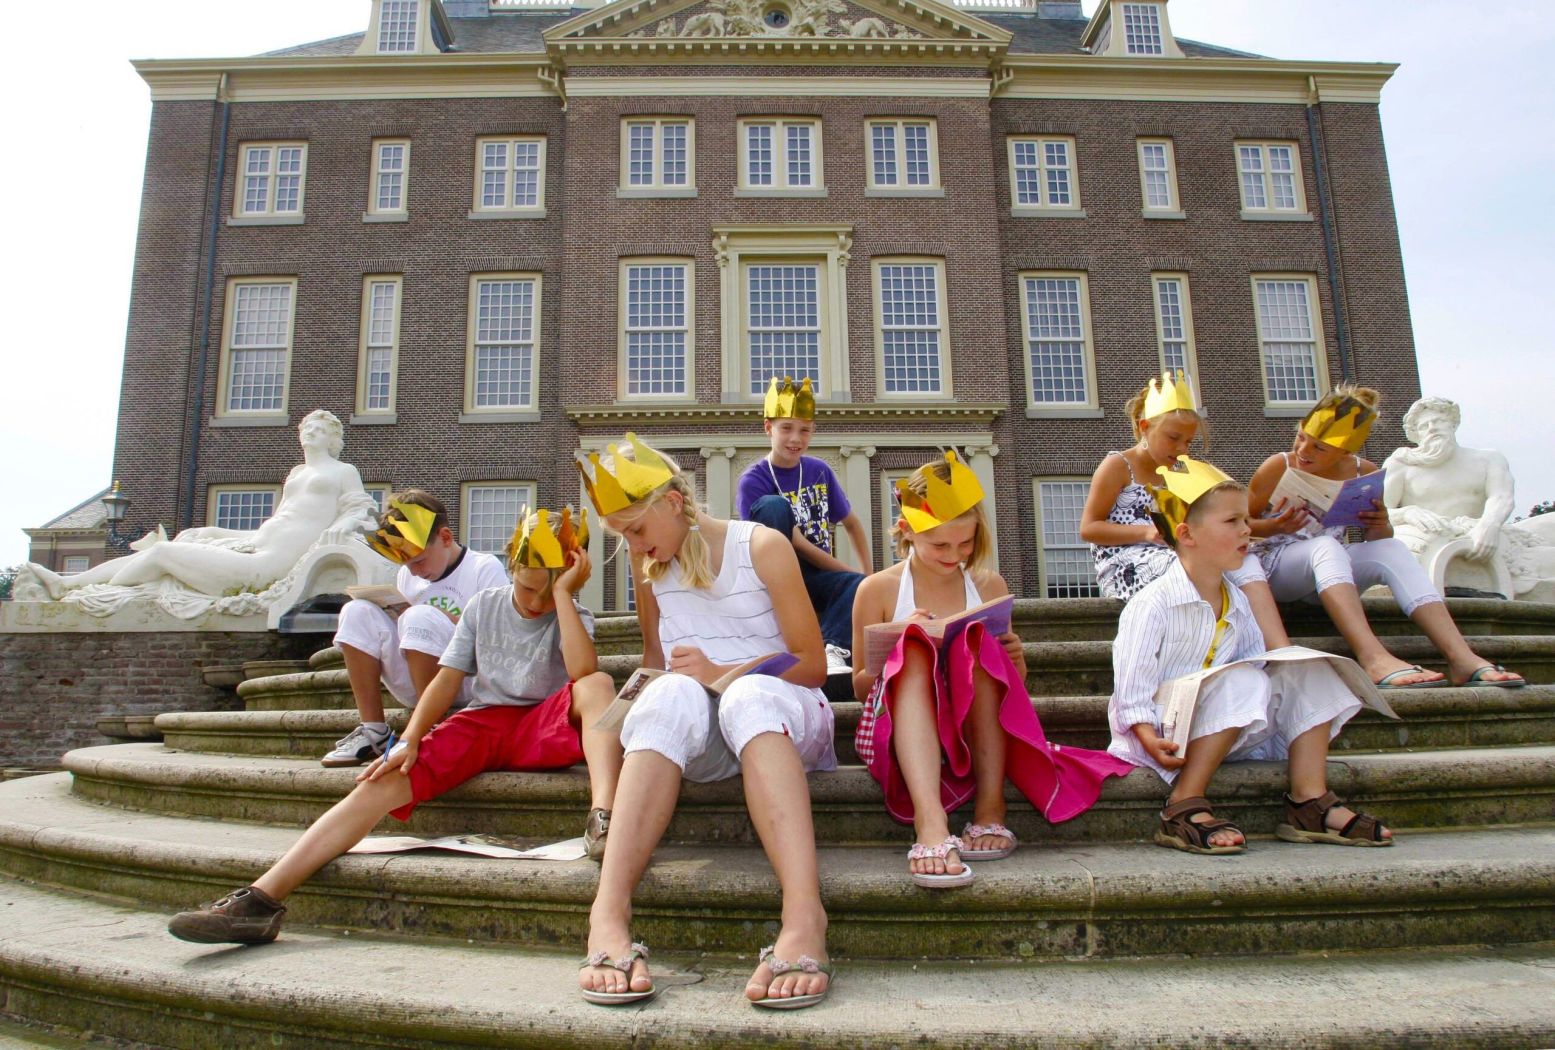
116 506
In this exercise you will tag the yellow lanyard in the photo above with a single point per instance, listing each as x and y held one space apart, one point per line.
1220 626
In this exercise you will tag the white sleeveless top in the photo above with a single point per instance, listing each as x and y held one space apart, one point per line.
906 603
731 621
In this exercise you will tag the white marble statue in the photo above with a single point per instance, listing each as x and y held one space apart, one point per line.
322 503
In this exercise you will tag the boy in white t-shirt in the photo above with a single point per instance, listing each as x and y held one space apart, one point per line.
400 646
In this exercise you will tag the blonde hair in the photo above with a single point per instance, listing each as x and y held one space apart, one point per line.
1136 410
1364 394
918 481
696 560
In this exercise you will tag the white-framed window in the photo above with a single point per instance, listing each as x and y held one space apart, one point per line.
241 507
890 510
1174 322
1142 29
375 385
504 342
1060 355
1158 176
1064 564
903 154
656 343
914 358
1042 174
256 346
74 563
1270 178
397 26
378 491
391 172
271 178
1290 339
783 321
780 154
510 175
658 154
489 510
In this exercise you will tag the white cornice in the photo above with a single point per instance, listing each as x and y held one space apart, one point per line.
778 87
326 77
1190 79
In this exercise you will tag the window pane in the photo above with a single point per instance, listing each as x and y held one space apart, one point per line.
639 154
378 368
1056 340
1028 173
784 313
909 318
1289 342
882 138
493 510
1142 29
1067 565
758 162
1153 165
800 160
526 174
676 166
288 179
656 329
504 346
1056 160
915 140
397 26
243 510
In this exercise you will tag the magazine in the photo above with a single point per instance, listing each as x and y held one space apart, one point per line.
1332 504
772 664
881 638
477 845
383 595
1178 697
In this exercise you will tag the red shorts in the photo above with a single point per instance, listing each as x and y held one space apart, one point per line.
493 738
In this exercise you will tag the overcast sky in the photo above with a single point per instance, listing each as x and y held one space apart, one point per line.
1466 120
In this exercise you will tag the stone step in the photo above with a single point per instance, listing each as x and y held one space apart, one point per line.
265 668
325 990
129 727
1409 790
1430 718
1121 900
14 1036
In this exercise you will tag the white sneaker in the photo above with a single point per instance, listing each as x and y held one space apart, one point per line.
838 660
356 748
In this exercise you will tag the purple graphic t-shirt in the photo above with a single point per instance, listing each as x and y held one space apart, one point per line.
810 488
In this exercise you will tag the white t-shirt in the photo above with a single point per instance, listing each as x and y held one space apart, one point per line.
474 573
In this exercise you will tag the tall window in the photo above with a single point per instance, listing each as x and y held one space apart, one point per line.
258 345
270 179
397 26
780 154
1067 570
1042 175
1059 355
1158 175
1174 322
510 175
890 510
910 320
380 344
1289 339
656 300
391 166
504 312
490 510
244 509
1142 29
656 155
903 155
783 315
1271 178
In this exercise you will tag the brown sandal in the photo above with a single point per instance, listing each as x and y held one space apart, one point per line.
1308 822
1177 831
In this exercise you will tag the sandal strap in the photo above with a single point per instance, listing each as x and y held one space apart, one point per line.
1311 815
975 831
1175 822
1185 807
638 950
1362 826
919 851
781 966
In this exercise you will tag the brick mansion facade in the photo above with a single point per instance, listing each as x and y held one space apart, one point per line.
484 232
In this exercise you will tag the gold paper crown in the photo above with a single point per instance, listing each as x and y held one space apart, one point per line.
941 502
1169 394
1345 424
1183 484
537 543
631 480
786 402
410 533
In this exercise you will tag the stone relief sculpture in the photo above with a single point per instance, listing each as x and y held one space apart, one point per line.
810 18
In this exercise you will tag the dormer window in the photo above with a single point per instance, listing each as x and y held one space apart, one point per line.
1136 30
1142 29
397 26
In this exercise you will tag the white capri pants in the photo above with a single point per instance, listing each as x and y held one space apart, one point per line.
704 735
1250 571
369 629
1307 568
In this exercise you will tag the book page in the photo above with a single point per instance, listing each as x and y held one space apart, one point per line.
615 715
1355 496
773 664
1297 486
881 638
383 595
475 845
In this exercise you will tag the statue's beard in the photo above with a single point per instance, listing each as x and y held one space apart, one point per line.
1432 451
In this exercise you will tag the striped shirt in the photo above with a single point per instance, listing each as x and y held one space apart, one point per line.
731 621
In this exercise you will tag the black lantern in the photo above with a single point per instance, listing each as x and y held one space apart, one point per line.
116 505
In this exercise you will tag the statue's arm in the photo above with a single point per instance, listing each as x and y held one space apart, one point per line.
356 511
1392 484
1499 489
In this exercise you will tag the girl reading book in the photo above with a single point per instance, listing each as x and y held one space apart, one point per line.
1304 560
711 594
948 721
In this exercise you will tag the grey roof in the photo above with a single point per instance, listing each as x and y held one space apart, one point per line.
88 514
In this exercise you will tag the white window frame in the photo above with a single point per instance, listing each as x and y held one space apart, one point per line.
479 209
224 376
1043 205
656 186
271 180
503 530
752 390
215 493
1134 11
384 27
945 388
1319 346
529 409
1269 209
1185 310
82 562
624 330
1089 405
378 492
890 511
1173 206
873 187
370 342
1044 548
375 190
781 186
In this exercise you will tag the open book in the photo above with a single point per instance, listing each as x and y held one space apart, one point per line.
1178 698
772 664
1333 504
881 638
479 845
383 595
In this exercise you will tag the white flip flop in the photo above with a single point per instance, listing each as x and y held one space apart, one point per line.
947 881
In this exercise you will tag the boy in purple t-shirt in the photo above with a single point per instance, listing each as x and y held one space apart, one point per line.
799 496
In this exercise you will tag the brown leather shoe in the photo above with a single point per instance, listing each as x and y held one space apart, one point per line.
594 833
246 916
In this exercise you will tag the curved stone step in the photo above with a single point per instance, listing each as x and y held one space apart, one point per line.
1486 886
1408 790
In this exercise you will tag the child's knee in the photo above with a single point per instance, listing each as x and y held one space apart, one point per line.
425 629
593 692
775 512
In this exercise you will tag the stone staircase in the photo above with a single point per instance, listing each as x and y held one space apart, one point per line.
1088 935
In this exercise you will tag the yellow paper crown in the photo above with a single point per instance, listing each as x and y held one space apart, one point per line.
540 543
1169 393
403 538
1345 424
941 501
629 481
1182 486
789 402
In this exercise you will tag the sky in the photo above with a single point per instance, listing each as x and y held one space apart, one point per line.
1466 121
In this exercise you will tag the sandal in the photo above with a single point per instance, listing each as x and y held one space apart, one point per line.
782 966
946 881
1478 678
1308 822
972 831
1386 681
599 958
594 832
1177 831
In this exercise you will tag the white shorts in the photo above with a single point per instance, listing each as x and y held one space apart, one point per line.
368 628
